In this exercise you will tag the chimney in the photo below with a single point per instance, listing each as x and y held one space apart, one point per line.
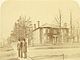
34 26
38 24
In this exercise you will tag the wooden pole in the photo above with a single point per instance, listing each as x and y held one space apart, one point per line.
78 33
60 19
71 28
71 23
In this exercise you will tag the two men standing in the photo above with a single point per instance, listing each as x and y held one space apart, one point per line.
22 48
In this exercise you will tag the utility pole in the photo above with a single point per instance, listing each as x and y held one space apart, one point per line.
78 33
60 20
71 28
70 23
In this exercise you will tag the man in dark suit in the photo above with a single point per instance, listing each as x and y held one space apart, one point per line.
24 48
18 47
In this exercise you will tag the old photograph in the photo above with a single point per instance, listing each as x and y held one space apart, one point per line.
40 30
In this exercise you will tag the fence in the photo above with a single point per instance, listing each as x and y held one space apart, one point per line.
48 57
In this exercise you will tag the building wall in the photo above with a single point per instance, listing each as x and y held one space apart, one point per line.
65 34
36 37
44 36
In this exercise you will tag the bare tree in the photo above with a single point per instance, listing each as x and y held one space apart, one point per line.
59 21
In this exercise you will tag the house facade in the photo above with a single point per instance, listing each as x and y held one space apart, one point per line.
49 36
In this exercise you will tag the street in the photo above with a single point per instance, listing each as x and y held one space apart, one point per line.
42 54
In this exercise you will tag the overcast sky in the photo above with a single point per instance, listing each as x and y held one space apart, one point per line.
42 10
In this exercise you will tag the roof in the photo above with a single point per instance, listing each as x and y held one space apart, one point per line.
49 25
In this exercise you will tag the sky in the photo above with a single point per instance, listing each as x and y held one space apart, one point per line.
43 10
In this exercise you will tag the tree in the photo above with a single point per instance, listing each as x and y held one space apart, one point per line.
22 28
59 21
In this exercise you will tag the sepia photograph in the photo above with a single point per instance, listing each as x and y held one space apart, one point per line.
39 29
